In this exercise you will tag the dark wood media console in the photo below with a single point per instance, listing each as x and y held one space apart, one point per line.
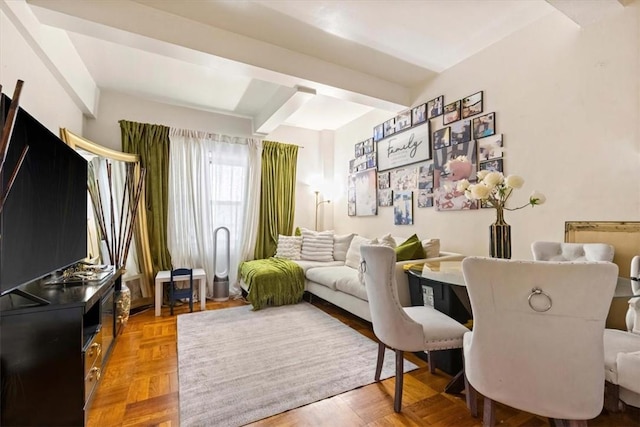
52 356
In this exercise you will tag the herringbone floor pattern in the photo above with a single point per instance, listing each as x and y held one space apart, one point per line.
140 388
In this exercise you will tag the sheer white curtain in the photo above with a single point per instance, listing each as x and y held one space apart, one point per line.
209 187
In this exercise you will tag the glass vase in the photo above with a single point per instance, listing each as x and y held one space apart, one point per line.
500 237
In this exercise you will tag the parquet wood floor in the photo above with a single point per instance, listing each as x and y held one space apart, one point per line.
140 388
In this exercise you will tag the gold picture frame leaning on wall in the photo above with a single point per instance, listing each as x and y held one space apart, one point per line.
145 294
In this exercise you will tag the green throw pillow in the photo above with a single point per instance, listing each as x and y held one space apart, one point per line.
297 232
410 249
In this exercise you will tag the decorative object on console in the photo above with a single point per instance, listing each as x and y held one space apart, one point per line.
495 189
5 139
117 235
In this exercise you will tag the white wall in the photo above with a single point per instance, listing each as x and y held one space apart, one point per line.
567 100
115 106
42 96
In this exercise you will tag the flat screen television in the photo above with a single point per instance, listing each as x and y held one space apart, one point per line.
43 224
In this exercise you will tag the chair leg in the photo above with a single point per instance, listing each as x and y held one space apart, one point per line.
397 404
381 350
577 423
431 362
611 396
489 416
471 397
555 422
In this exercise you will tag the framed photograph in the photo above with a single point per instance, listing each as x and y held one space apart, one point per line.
351 195
385 197
461 131
490 147
425 198
369 146
404 179
472 105
442 138
450 165
484 126
419 114
492 166
403 120
434 107
451 112
366 193
378 132
403 207
425 176
359 152
371 160
410 146
390 127
383 180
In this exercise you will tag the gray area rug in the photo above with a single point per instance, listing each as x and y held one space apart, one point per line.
236 366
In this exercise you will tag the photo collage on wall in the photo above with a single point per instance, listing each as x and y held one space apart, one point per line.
418 155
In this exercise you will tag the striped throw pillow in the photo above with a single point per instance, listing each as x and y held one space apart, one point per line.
317 245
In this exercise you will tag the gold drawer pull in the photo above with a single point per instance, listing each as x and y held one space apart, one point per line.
97 347
94 373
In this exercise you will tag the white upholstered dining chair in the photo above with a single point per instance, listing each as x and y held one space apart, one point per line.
537 341
559 251
420 328
622 354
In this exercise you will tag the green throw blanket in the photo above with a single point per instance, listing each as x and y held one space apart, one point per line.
272 281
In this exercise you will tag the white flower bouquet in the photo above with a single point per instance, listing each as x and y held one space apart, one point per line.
494 189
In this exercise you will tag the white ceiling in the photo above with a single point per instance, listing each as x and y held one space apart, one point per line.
246 58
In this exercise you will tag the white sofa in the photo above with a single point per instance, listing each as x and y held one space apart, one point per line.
336 278
340 284
339 281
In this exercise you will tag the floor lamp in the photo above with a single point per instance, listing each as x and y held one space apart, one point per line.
317 205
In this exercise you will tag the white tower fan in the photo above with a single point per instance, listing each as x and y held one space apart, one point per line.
221 279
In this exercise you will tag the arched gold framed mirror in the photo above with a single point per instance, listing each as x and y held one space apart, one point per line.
140 280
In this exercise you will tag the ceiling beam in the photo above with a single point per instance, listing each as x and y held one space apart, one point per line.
588 12
285 102
145 27
57 53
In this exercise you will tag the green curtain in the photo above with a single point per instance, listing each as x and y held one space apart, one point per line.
278 196
151 143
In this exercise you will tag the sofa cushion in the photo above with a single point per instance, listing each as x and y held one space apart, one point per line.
341 246
410 249
385 240
317 245
328 276
351 284
431 247
289 247
353 254
306 264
